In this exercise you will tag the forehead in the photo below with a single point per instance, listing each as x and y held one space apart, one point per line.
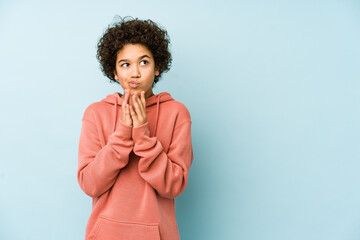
133 51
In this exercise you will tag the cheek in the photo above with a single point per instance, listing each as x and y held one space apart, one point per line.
122 82
150 75
121 76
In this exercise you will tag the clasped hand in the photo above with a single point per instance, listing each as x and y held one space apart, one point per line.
133 115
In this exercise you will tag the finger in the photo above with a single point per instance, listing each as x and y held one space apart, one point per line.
126 98
127 113
127 95
143 99
136 103
123 105
140 109
132 112
143 103
141 106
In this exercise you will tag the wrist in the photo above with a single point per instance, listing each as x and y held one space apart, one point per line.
137 125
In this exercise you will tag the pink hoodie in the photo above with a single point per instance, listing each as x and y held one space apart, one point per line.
133 174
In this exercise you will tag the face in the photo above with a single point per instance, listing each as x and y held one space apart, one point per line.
135 69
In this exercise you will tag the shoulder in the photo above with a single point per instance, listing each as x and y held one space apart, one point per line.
179 109
94 108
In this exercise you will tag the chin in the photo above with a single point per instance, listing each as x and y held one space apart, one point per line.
133 90
138 90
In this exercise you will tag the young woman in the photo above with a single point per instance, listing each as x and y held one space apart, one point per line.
135 148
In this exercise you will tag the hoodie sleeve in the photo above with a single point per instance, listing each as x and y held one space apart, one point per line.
167 172
99 166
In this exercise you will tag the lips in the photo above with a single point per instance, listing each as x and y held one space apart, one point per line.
134 84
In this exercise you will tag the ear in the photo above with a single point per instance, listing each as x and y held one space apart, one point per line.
157 72
115 76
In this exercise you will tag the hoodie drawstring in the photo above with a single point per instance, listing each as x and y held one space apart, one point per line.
157 114
115 114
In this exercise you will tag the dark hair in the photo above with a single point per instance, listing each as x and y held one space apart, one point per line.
134 31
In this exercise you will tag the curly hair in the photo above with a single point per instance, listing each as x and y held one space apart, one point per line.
133 31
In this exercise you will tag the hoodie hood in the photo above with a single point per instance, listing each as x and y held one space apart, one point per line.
116 100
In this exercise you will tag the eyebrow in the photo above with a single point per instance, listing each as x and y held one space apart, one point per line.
125 60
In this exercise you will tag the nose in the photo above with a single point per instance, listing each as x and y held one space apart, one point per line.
135 71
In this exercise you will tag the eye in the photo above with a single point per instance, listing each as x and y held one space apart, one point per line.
122 65
144 61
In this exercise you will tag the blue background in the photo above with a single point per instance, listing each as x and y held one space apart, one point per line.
272 88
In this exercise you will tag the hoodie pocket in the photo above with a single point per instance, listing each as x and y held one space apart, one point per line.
108 229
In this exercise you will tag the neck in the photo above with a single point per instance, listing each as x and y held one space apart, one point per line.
149 94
